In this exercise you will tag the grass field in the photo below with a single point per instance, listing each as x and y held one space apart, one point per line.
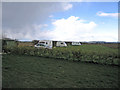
38 72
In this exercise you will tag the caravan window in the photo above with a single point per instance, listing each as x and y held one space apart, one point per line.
46 43
61 43
37 44
40 44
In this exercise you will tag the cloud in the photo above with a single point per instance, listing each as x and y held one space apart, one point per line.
76 29
27 21
19 14
71 28
51 16
67 6
32 32
65 29
102 36
107 14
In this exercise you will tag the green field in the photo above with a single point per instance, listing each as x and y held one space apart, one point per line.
20 71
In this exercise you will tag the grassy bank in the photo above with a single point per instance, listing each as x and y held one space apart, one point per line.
21 71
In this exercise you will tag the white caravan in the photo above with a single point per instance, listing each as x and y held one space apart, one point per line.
76 43
44 44
61 44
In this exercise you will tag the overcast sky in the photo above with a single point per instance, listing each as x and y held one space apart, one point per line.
75 21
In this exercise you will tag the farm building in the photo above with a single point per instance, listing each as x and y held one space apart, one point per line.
9 42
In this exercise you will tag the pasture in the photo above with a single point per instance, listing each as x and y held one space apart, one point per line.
21 71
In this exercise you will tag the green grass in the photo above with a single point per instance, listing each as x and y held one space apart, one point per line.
96 49
38 72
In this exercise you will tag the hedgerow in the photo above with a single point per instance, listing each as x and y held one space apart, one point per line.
84 53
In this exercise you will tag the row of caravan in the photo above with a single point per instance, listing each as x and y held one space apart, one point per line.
49 44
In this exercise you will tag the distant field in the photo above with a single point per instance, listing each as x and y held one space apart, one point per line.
111 45
22 44
37 72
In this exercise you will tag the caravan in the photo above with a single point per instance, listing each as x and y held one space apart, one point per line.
76 43
44 44
61 44
49 44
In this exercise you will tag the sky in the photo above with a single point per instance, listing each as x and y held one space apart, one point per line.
64 21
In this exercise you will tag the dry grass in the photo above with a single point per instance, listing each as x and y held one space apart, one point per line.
22 44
